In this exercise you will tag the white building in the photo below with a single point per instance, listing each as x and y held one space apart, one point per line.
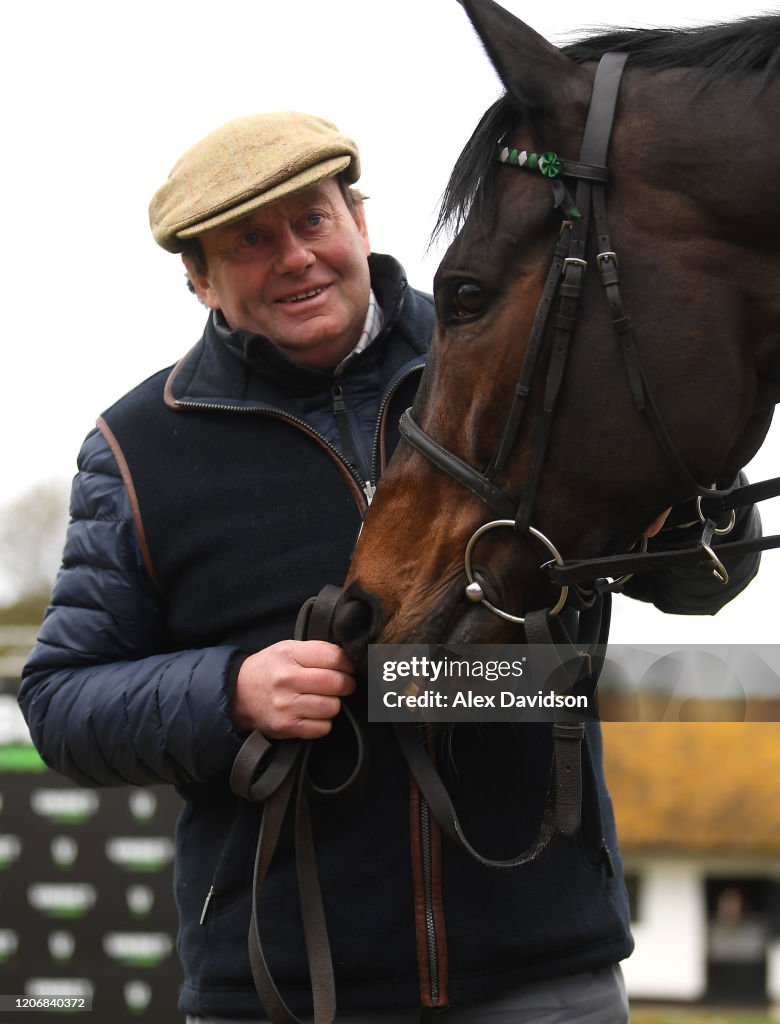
698 810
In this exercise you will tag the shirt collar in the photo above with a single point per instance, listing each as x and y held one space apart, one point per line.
371 327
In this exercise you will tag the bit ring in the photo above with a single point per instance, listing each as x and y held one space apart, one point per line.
474 591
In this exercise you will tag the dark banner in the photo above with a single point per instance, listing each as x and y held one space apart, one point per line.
87 917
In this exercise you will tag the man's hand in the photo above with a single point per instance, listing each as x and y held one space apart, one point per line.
657 524
292 689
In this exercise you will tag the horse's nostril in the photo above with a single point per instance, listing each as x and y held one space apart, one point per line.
356 620
353 619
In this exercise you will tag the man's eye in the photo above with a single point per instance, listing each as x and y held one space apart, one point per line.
251 238
314 220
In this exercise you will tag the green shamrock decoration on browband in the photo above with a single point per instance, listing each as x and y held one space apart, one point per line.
548 164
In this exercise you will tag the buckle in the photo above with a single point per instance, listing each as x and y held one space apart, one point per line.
573 261
719 569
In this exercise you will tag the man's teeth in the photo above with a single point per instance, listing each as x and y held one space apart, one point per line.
305 295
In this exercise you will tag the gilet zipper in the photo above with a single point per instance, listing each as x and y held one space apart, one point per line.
432 943
365 486
375 448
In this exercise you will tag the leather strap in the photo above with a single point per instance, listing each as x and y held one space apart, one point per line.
595 143
584 569
475 481
563 805
564 280
276 776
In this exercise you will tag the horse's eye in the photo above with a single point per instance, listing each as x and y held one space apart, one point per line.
468 300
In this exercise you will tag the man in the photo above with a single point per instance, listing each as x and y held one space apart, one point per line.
211 501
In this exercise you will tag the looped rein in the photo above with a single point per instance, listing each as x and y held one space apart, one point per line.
271 775
277 777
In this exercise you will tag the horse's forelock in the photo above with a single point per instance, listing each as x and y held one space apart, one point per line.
472 176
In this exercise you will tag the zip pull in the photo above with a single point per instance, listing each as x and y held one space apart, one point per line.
369 490
206 903
342 422
339 405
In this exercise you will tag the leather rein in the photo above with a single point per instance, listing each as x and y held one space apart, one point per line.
277 777
565 282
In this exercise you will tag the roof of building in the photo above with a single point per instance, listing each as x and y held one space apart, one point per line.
695 786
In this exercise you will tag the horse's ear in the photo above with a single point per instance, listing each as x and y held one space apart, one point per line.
530 67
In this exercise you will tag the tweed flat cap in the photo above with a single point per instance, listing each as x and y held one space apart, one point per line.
243 165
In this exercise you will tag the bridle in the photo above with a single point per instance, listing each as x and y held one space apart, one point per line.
565 283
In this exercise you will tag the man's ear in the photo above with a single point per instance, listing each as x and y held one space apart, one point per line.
200 282
359 213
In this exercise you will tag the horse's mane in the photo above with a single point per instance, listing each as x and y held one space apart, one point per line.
733 48
750 44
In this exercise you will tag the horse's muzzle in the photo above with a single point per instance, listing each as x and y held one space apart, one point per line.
356 624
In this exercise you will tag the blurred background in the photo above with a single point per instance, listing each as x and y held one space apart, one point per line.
101 99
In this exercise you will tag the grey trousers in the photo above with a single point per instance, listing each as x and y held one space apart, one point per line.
594 997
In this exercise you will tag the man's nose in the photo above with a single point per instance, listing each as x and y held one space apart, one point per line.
292 255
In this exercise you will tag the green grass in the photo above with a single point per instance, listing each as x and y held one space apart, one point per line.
699 1015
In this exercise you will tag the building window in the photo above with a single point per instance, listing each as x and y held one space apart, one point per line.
737 933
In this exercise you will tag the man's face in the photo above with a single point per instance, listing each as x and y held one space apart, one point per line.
295 271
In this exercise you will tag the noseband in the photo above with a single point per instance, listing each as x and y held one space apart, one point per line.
565 282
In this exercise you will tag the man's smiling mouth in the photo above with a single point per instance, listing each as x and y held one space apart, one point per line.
301 296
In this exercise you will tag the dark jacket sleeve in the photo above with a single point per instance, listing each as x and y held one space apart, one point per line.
106 702
687 591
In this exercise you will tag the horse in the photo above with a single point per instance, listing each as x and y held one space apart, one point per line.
578 387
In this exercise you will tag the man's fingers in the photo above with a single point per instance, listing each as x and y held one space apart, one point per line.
330 684
320 654
292 688
310 705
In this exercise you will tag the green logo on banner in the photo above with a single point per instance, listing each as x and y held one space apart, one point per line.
9 943
20 758
10 848
140 853
65 806
62 899
138 949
